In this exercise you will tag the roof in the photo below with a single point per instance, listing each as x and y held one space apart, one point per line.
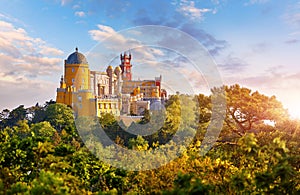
76 58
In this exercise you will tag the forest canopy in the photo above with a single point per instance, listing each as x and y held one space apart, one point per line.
257 151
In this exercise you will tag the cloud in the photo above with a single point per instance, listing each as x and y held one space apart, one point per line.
157 51
142 18
113 41
80 14
272 77
51 51
25 56
260 47
292 15
292 41
213 45
16 90
189 10
25 64
112 8
293 19
103 32
157 55
233 65
184 76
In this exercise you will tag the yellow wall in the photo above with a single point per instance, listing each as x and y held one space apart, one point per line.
84 103
77 75
112 106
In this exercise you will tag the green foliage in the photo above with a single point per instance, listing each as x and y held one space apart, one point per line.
138 144
108 120
246 110
43 129
43 154
13 117
60 117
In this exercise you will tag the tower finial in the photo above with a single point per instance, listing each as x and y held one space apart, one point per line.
76 49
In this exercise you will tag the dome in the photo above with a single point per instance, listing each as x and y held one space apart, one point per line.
118 70
76 58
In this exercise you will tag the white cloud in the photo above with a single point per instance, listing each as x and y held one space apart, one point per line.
188 9
156 51
51 51
24 63
103 32
80 14
113 43
292 15
17 90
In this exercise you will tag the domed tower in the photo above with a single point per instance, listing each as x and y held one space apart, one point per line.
77 71
126 66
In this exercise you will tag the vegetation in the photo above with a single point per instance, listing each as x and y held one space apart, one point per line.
42 153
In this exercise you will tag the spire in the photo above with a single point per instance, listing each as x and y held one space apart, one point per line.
76 49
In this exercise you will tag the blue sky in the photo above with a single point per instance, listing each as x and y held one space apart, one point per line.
255 43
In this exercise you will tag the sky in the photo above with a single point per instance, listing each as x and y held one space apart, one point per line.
255 43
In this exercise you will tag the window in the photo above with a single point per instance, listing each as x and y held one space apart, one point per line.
73 80
83 70
83 80
73 70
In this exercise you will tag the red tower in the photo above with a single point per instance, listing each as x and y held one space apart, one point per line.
126 66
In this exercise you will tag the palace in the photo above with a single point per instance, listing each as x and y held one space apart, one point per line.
92 93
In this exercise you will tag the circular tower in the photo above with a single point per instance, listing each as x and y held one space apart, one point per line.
77 74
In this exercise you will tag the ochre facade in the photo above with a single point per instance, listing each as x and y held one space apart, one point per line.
92 93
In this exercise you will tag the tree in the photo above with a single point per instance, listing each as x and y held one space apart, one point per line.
4 117
108 120
43 129
245 109
204 105
16 115
139 143
60 117
173 118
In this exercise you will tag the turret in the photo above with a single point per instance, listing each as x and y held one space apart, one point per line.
126 66
109 72
62 82
118 87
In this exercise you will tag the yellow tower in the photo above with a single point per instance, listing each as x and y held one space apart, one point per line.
77 73
74 88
